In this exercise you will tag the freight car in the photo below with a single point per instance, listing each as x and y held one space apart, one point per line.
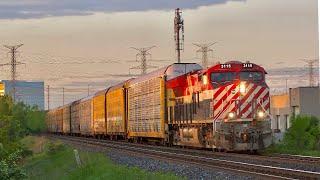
223 107
147 119
75 118
116 108
86 116
66 117
99 114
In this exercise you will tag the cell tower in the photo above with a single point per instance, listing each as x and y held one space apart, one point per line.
13 51
143 53
311 63
204 49
178 32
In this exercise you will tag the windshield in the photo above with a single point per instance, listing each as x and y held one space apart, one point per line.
221 77
251 76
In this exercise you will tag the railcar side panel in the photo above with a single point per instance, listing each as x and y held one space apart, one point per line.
66 119
75 117
49 119
59 120
116 111
146 108
86 120
99 123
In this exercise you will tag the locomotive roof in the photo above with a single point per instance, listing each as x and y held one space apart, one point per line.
236 66
171 71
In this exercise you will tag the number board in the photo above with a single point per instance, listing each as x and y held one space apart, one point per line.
225 66
247 65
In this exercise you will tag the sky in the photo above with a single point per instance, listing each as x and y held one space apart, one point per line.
73 43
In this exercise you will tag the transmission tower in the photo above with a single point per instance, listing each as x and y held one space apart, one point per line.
142 54
13 51
178 32
204 49
311 63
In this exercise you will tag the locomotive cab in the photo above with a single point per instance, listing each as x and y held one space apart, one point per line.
241 119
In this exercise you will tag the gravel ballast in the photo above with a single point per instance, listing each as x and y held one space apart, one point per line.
179 169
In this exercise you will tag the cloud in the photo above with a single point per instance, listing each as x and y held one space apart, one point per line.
17 9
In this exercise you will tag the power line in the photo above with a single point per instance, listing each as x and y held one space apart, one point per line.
13 51
178 33
88 89
311 63
204 49
143 53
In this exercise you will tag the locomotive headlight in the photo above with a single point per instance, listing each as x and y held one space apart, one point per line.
260 114
205 79
231 115
242 87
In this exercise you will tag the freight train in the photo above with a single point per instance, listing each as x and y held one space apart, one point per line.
224 107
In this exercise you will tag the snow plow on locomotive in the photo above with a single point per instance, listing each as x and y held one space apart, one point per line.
225 107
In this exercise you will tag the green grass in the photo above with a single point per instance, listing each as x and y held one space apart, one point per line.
61 164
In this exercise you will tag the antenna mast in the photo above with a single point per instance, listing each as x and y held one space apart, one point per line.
178 32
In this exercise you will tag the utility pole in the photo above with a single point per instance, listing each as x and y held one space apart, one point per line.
48 89
286 85
63 96
204 49
13 51
178 33
310 64
142 54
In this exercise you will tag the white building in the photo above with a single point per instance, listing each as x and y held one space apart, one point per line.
300 100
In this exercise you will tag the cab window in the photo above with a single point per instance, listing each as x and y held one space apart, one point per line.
251 76
222 77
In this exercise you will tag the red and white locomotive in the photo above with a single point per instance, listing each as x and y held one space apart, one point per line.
223 107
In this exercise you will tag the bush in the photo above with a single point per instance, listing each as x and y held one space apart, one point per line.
304 134
17 120
9 168
303 137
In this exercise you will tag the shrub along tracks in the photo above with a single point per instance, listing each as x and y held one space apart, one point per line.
254 165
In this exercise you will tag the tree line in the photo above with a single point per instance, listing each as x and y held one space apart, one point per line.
16 121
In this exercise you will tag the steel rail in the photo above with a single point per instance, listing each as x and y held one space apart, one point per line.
307 159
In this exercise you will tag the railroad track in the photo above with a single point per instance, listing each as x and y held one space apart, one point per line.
176 155
278 158
298 158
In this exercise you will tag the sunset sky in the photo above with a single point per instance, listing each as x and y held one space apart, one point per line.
73 43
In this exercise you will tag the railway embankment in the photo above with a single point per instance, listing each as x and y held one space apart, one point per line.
55 160
154 163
